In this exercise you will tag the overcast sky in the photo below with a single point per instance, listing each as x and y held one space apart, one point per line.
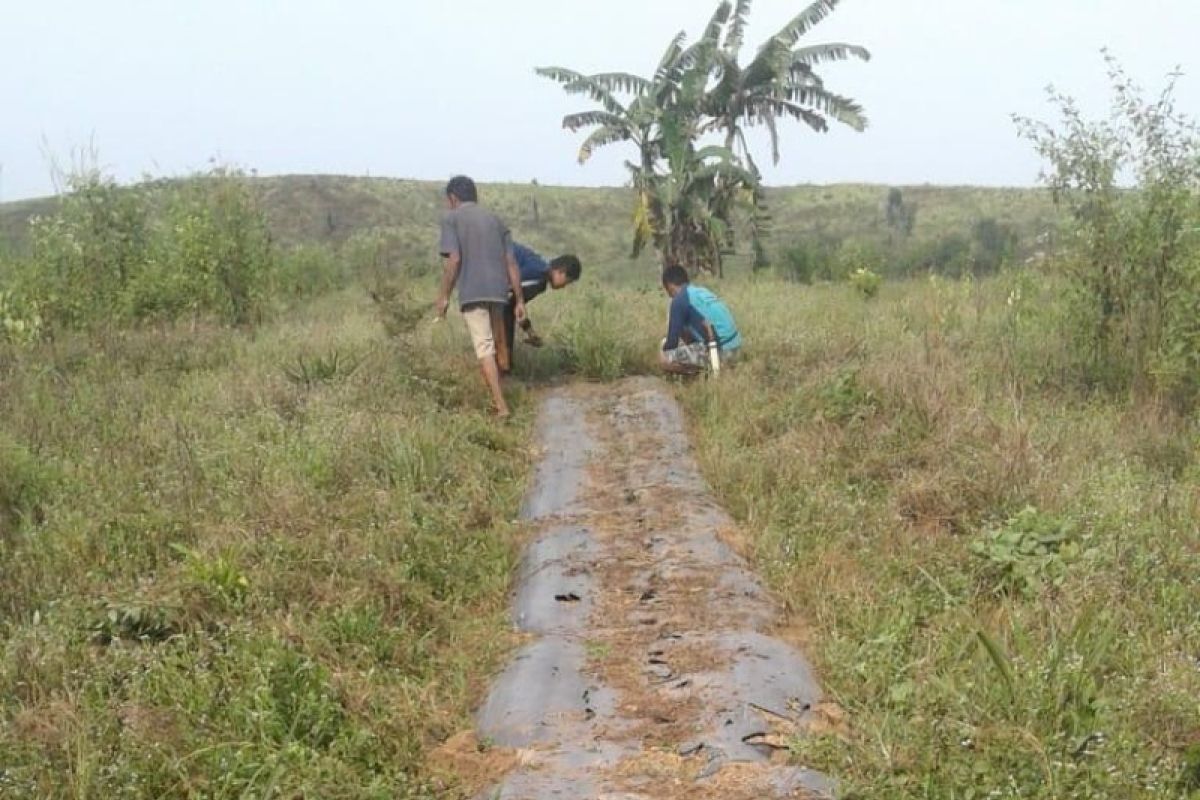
408 88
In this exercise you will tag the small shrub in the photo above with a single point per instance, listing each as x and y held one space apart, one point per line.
843 399
309 372
26 484
157 251
993 245
308 271
1028 552
804 261
20 320
219 575
133 622
855 256
948 255
866 282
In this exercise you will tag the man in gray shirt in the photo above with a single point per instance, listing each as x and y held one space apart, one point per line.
479 257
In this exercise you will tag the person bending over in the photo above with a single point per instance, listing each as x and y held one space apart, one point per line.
537 275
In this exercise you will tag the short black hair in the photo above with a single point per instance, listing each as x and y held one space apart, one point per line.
675 275
463 188
570 265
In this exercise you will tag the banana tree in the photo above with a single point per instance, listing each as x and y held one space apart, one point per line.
689 197
779 83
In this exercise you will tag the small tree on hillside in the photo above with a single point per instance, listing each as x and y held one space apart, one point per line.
1135 254
901 216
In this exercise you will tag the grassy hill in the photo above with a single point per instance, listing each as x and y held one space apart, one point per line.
308 209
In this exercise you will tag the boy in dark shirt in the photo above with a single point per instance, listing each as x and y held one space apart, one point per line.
536 276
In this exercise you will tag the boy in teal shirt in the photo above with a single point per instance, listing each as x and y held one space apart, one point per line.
697 318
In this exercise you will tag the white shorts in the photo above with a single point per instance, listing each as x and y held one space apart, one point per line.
479 323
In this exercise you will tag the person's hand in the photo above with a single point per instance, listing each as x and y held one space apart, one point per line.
520 311
441 305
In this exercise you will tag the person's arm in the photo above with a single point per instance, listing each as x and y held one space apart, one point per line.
676 320
514 278
449 248
449 279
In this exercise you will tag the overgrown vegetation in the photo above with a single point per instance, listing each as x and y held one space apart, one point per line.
159 252
236 563
995 564
1134 258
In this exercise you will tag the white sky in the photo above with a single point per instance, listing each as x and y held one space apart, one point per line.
426 89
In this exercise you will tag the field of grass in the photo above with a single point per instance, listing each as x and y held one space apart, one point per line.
996 565
272 561
235 564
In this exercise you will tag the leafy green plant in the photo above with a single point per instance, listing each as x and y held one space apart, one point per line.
866 282
1028 553
218 575
147 623
308 271
844 399
803 261
20 321
156 251
328 368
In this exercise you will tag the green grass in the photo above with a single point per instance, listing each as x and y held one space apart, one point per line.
223 581
996 560
997 565
273 562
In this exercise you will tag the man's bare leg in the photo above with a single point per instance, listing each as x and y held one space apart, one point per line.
491 376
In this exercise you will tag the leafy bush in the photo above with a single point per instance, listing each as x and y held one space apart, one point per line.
158 251
217 236
866 282
1135 255
948 255
20 320
86 255
308 271
804 261
993 244
853 256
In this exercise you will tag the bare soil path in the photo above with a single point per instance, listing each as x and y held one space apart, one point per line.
656 666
